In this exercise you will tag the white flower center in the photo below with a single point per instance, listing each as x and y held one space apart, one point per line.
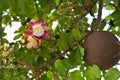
38 30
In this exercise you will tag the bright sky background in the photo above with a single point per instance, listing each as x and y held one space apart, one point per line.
10 31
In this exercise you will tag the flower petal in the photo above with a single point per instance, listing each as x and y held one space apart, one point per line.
45 25
45 35
38 45
32 23
32 42
28 33
39 21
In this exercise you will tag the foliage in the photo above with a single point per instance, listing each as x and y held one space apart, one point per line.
62 51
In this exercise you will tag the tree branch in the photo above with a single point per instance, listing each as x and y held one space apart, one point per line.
44 67
98 21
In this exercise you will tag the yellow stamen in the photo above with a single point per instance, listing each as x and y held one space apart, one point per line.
32 42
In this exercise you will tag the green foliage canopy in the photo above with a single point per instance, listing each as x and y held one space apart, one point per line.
63 51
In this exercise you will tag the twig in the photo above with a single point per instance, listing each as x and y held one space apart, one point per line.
53 5
98 21
118 4
7 67
44 67
36 5
81 12
84 7
26 65
1 28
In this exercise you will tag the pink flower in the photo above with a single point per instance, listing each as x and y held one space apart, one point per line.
31 41
39 29
36 32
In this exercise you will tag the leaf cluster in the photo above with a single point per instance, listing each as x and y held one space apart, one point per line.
72 24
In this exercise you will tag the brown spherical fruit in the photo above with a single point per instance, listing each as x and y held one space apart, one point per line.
100 48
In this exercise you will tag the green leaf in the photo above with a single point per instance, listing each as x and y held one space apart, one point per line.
23 8
110 7
43 77
81 50
50 75
17 36
4 40
102 25
116 15
67 63
60 68
57 2
4 4
117 22
64 41
3 33
107 18
95 71
6 19
76 32
116 1
44 52
112 74
106 1
92 73
76 75
75 57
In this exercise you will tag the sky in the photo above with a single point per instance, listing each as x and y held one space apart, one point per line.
10 31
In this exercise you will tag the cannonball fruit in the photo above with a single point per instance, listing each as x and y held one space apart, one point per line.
100 48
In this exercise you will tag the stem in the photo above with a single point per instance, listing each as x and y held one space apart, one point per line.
98 21
36 5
